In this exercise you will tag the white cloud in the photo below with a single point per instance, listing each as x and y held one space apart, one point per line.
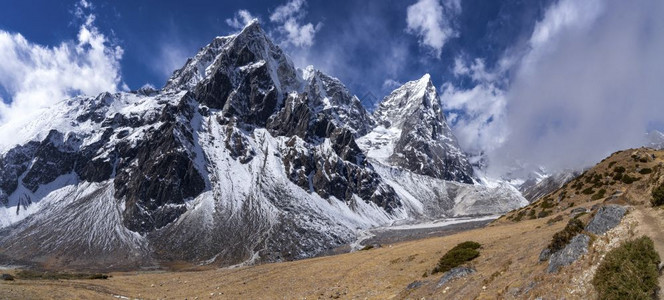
286 11
481 126
588 84
240 19
391 84
299 35
430 20
172 56
289 17
36 76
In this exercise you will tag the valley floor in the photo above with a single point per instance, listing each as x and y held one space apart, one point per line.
508 268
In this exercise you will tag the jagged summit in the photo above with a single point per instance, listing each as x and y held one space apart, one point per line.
414 134
399 105
250 48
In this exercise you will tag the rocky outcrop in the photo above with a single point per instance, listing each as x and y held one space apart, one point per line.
455 273
606 218
577 247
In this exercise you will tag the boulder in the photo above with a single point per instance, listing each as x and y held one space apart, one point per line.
573 251
414 285
607 217
455 273
545 254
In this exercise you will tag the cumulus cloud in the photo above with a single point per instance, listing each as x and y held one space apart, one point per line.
431 21
478 113
289 17
240 19
35 76
587 84
287 11
591 84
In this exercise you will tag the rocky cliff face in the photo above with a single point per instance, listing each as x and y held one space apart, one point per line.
240 157
412 133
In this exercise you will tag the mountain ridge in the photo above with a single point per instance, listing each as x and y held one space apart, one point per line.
241 157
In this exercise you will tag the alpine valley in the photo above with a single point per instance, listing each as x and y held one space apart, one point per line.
239 158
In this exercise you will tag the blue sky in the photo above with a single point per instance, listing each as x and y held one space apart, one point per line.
554 83
356 41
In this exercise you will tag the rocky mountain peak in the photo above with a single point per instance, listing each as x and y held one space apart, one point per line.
413 96
412 133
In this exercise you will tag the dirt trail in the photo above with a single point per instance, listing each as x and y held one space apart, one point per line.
651 222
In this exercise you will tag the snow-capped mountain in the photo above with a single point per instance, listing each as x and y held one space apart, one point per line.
240 157
412 133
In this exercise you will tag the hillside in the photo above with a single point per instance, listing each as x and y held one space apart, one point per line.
508 265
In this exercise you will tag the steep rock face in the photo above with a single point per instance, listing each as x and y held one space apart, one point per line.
412 133
330 97
240 158
245 76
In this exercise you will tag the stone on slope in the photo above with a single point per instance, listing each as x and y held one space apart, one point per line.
607 217
573 251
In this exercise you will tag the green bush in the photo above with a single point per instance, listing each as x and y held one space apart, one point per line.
547 203
35 275
562 238
645 171
619 169
457 256
598 195
628 180
543 214
629 271
588 191
658 196
618 176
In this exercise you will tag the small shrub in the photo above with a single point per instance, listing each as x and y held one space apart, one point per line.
645 171
598 195
457 256
618 176
562 238
519 216
611 164
554 220
543 214
619 169
588 191
35 275
547 203
643 159
628 180
658 196
629 271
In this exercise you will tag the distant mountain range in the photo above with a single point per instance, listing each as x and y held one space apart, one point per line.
240 157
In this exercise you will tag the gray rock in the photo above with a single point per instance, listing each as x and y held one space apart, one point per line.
607 217
455 273
545 254
414 285
576 248
578 210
